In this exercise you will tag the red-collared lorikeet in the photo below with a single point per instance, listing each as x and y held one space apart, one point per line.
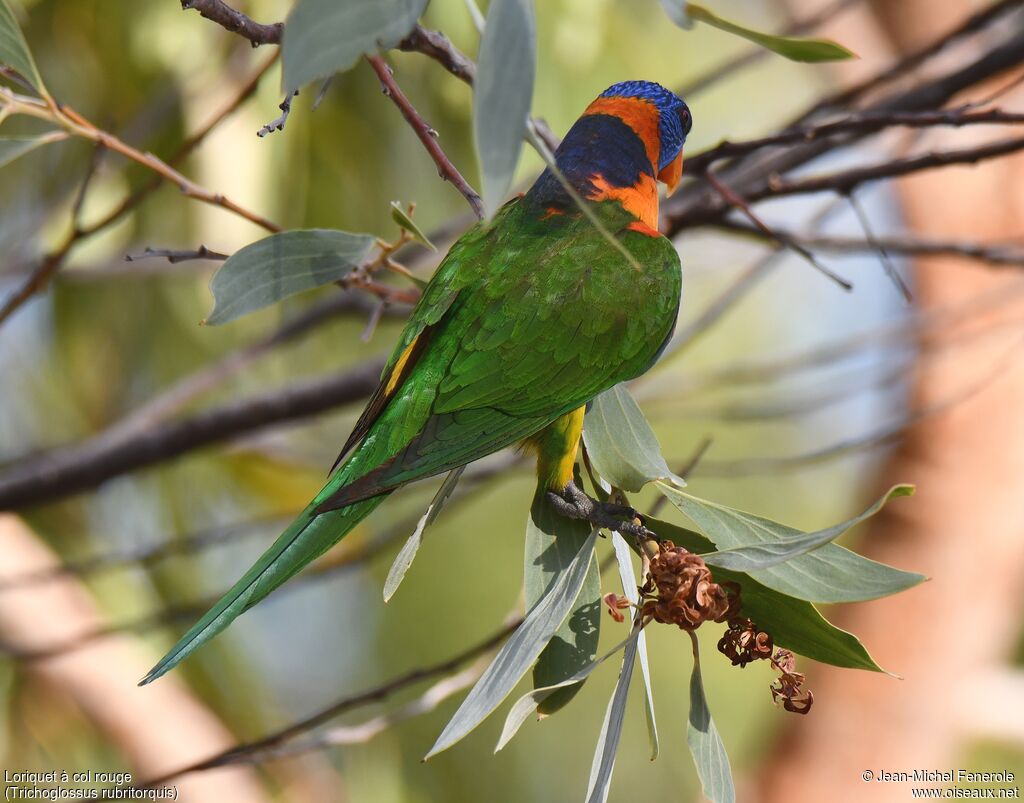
527 319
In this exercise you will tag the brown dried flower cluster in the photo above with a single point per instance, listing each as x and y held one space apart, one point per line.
743 643
681 591
789 686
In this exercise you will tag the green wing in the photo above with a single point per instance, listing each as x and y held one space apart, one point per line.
542 319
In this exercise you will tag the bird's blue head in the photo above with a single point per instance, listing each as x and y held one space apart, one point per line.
673 116
627 140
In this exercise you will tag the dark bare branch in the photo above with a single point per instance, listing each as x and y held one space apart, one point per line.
235 21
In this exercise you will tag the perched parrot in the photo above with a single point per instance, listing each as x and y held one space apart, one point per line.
528 318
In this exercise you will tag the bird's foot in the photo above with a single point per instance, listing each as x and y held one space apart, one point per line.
573 503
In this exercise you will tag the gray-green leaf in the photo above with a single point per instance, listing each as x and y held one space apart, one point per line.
281 265
624 558
794 48
12 148
520 651
772 553
529 702
793 623
502 94
828 574
705 744
620 442
611 731
406 555
14 50
322 37
552 542
401 217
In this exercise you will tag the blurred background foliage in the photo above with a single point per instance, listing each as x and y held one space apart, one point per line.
112 334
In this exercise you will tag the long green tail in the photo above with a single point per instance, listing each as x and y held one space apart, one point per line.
308 537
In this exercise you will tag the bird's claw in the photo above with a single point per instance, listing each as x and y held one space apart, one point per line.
573 503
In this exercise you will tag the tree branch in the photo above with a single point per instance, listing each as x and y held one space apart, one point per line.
236 22
75 468
425 133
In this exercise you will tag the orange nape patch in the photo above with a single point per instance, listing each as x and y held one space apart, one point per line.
551 211
639 115
643 228
641 199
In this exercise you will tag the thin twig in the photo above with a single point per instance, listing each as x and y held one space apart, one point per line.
1007 254
861 123
277 124
845 181
735 200
174 256
445 169
887 264
345 704
51 262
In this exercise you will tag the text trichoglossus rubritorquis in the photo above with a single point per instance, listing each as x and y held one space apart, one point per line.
527 319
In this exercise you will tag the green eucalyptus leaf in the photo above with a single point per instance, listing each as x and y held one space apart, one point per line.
322 37
611 731
14 51
793 623
620 443
401 217
406 555
624 558
502 94
705 744
794 48
282 265
772 553
520 651
552 542
529 702
830 573
12 148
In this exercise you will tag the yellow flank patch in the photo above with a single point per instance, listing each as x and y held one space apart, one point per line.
640 200
556 447
398 372
639 115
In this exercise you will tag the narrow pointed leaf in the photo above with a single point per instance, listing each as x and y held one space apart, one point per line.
620 442
14 51
552 542
705 744
529 702
830 573
772 553
406 555
282 265
502 94
401 217
520 651
793 623
322 37
624 558
794 48
611 731
12 148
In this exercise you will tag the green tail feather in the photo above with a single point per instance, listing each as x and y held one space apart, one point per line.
308 537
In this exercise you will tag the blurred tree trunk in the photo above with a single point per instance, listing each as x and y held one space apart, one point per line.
951 637
157 728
